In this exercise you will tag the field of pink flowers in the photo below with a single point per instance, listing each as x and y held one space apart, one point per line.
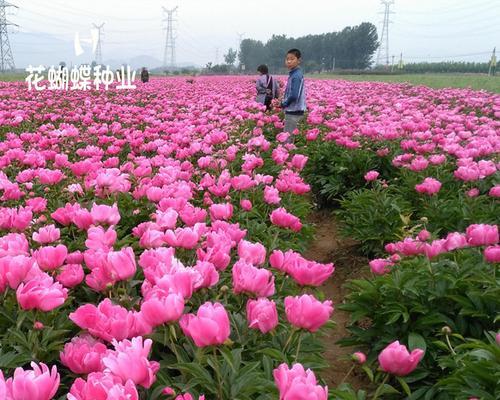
151 240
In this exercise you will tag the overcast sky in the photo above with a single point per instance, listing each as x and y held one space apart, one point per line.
430 30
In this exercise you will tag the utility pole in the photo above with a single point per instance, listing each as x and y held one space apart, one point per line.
216 56
240 39
6 58
98 49
383 49
392 65
400 65
493 63
169 53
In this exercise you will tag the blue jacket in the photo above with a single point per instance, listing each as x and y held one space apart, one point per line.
294 99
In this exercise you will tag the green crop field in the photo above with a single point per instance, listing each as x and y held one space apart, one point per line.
13 76
473 81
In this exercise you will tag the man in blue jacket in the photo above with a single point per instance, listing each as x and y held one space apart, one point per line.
294 99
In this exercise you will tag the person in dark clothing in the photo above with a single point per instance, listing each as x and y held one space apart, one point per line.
144 75
267 87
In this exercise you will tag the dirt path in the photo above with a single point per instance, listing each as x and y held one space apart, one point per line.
329 247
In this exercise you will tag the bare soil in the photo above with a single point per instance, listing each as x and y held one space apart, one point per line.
328 246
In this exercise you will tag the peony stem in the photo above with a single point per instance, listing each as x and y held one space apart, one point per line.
375 396
217 372
288 341
235 326
298 347
282 284
450 346
174 350
348 373
275 239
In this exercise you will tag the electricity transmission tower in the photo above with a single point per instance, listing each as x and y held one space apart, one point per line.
240 39
383 50
6 58
169 54
493 63
98 49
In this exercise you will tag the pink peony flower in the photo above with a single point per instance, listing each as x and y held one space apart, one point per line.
379 266
41 293
250 279
253 253
280 217
163 309
482 234
210 326
246 205
395 359
424 235
39 383
371 176
298 383
106 321
359 357
130 361
494 191
307 312
50 258
221 211
492 254
102 386
262 314
474 192
83 355
103 214
429 186
47 234
309 273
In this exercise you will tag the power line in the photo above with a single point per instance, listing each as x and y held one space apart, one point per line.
79 12
383 50
98 49
486 30
448 56
453 8
240 39
169 39
6 58
451 20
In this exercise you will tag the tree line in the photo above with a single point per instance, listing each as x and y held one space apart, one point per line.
351 48
447 67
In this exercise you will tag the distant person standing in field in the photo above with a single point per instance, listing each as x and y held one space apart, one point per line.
267 87
144 75
294 98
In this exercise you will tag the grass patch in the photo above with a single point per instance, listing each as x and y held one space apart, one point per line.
438 81
13 76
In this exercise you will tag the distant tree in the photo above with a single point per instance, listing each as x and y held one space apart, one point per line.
276 50
252 53
352 48
220 69
230 57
